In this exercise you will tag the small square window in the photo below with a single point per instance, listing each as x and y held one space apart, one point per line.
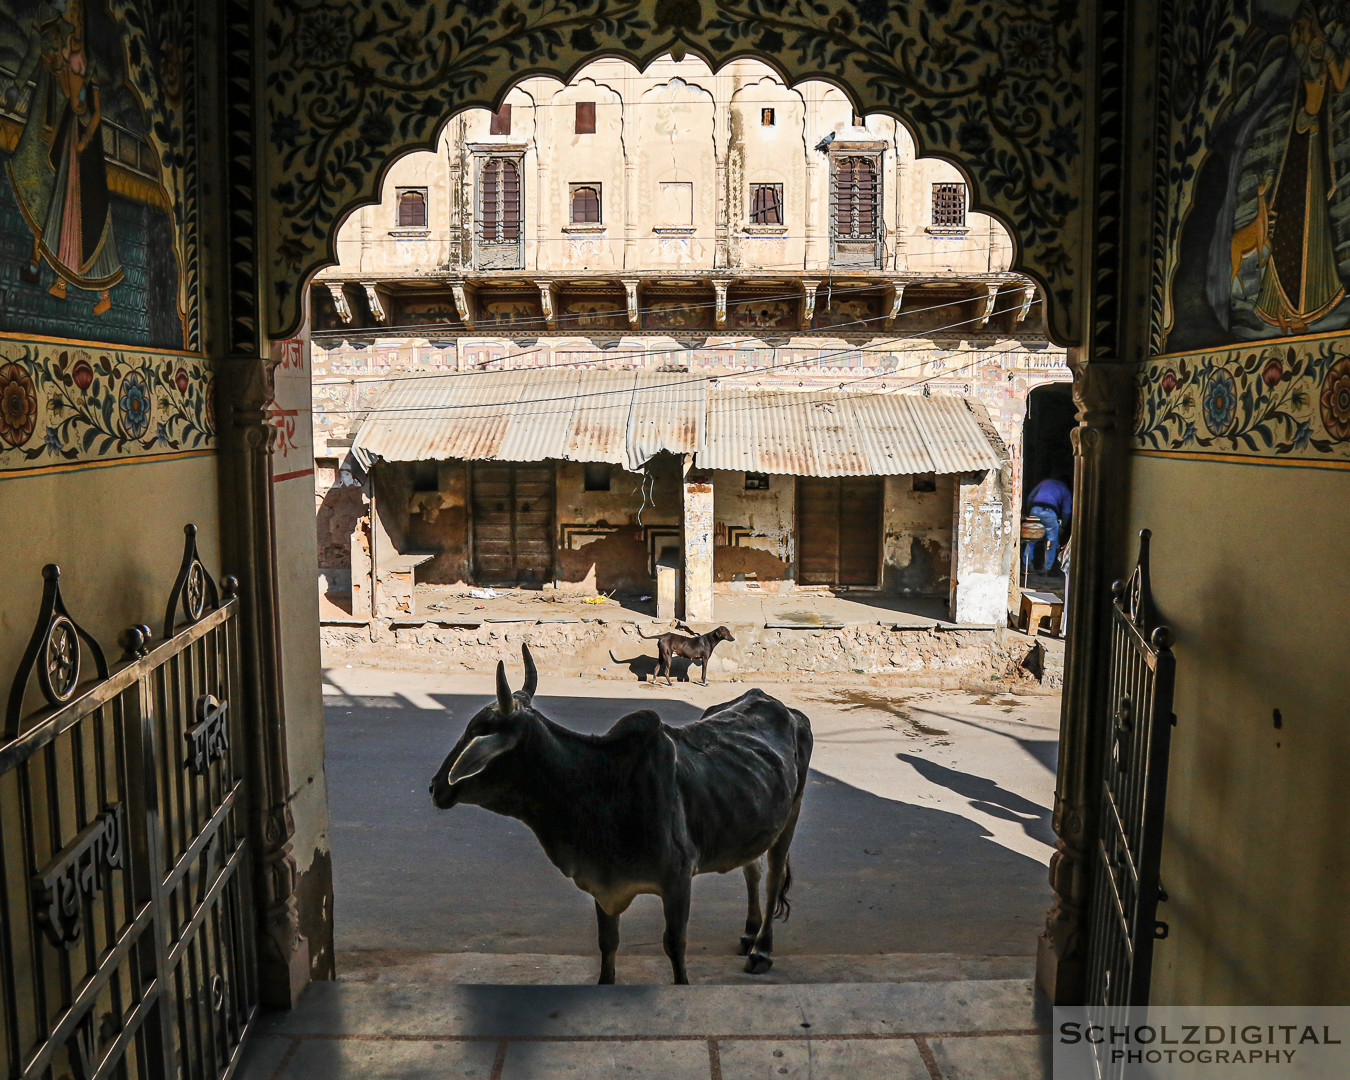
597 477
925 482
766 204
766 118
412 208
585 204
424 476
501 121
756 481
585 124
949 205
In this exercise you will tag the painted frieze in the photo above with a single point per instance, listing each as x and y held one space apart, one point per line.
61 404
1286 402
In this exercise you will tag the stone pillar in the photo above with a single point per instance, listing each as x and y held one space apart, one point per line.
980 553
1102 392
697 546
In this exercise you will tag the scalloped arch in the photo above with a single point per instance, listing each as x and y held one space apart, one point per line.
995 87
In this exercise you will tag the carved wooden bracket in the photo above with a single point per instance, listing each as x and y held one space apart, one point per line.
344 309
897 291
465 296
1028 298
375 297
809 303
720 286
630 289
990 296
548 300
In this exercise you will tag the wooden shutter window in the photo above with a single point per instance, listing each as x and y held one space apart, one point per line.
501 121
766 204
412 210
501 200
585 118
585 205
856 198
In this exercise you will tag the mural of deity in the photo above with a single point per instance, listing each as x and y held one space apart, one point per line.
764 314
1265 250
83 205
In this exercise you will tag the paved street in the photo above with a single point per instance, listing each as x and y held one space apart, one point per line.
925 835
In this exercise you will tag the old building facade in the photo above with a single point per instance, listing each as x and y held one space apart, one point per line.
762 247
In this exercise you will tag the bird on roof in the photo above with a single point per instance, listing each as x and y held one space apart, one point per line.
824 145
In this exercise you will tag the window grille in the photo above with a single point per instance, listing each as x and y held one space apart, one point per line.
501 121
585 124
949 205
501 201
585 204
412 208
855 214
766 204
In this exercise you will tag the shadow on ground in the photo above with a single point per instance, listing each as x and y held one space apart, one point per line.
872 874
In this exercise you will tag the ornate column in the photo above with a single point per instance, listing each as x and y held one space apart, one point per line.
1102 392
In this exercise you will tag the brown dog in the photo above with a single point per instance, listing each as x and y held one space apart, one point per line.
699 648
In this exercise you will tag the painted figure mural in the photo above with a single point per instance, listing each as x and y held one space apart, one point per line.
1264 250
89 246
60 178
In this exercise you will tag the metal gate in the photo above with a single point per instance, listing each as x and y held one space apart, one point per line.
1126 890
126 918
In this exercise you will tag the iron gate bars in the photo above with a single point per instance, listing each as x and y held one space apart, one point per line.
1126 890
126 922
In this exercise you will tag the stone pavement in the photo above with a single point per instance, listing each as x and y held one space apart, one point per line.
953 1030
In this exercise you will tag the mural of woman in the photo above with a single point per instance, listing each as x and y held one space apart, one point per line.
58 169
1300 282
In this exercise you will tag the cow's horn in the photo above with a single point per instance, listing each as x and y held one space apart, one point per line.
506 704
531 673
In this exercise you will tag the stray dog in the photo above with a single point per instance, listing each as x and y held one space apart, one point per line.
696 648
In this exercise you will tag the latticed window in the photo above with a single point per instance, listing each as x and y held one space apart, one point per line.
500 201
412 208
766 204
855 209
949 205
585 204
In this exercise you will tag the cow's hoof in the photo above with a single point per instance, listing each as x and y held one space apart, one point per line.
747 943
758 963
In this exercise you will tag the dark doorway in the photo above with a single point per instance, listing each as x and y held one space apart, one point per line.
1047 452
512 523
839 530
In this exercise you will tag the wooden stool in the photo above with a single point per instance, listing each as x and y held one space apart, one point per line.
1037 606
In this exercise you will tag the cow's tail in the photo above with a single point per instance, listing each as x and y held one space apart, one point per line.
784 908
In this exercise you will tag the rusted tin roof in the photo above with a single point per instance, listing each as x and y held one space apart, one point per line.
626 417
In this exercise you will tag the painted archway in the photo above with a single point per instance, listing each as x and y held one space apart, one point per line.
995 87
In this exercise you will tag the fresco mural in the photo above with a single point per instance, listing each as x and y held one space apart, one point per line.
91 243
1260 244
771 313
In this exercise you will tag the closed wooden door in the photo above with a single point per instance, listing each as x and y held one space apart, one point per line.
838 530
512 523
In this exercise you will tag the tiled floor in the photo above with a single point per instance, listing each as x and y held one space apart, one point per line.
991 1030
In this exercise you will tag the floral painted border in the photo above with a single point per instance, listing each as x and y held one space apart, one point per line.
1288 400
66 406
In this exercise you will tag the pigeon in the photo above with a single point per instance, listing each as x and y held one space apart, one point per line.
824 145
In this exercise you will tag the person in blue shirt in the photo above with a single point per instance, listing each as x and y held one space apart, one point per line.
1051 503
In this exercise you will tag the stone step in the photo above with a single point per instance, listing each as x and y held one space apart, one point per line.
917 1030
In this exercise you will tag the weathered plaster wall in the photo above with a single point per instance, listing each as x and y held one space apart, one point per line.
917 542
753 530
438 521
1251 569
602 544
983 552
697 536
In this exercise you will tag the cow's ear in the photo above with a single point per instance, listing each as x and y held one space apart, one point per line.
479 754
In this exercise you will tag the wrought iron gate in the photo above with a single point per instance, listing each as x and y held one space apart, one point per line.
1126 890
126 919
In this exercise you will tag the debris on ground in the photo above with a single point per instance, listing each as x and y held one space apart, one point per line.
484 594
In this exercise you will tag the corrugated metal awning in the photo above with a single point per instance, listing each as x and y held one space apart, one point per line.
622 417
627 417
844 433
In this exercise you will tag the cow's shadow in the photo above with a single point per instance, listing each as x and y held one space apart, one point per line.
873 873
644 667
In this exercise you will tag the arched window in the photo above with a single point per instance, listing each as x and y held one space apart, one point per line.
412 208
855 197
585 204
500 201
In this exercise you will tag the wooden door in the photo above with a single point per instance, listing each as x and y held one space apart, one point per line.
512 523
838 530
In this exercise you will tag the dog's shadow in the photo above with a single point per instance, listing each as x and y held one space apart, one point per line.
644 667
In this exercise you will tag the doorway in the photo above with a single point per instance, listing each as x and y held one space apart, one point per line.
512 523
839 530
